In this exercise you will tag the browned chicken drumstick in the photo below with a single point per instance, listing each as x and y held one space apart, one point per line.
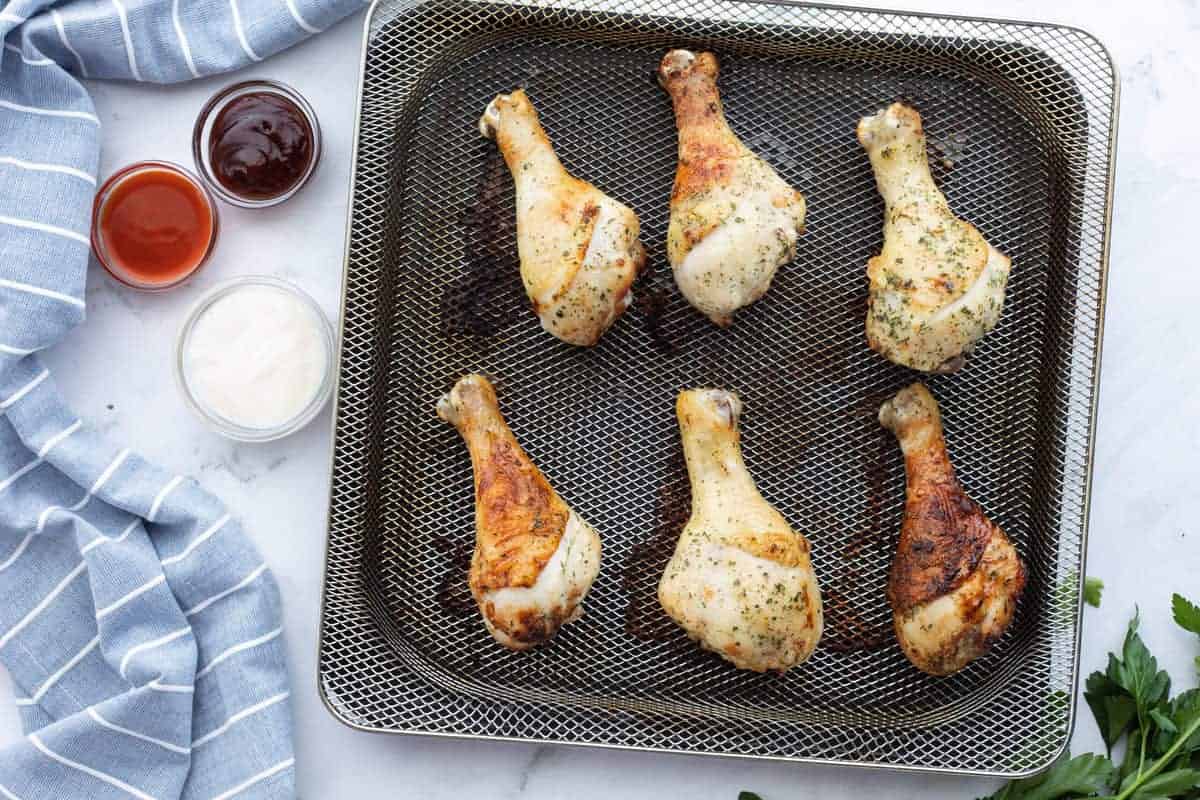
579 248
956 580
734 220
535 558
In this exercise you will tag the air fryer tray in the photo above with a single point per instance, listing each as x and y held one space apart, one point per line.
1021 122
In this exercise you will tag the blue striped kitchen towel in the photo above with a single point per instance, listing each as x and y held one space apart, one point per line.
139 625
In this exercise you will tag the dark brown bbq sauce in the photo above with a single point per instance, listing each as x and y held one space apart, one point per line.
260 146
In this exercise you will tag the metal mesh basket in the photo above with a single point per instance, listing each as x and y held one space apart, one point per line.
1021 119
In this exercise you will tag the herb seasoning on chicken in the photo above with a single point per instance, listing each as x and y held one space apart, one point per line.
734 221
937 288
740 582
956 579
535 558
578 247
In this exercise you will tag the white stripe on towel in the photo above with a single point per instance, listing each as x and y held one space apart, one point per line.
262 776
8 16
33 62
58 438
241 32
129 53
29 288
95 773
170 688
99 540
7 794
199 540
237 648
162 495
244 582
43 167
50 112
174 748
109 470
238 717
11 479
150 645
303 23
24 390
44 517
62 37
44 228
17 553
15 351
133 595
183 42
57 676
46 601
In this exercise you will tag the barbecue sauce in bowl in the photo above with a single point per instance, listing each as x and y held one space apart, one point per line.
260 146
256 143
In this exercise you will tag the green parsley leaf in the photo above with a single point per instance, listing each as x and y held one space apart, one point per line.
1138 673
1112 707
1163 721
1166 784
1082 776
1187 614
1185 712
1160 737
1092 589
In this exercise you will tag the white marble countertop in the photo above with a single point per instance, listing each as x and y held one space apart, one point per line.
1144 541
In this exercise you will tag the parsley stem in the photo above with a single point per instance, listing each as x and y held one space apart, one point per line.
1157 766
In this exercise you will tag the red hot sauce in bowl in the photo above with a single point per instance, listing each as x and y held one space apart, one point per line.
153 225
256 143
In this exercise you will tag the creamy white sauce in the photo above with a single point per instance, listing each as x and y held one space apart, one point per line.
256 357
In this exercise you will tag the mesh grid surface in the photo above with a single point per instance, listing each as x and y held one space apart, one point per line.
1020 123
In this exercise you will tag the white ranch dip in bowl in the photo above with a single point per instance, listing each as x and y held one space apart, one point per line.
255 358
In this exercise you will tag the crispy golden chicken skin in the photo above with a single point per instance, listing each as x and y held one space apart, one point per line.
534 558
956 579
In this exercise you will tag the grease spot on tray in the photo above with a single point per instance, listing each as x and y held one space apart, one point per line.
644 618
453 593
489 296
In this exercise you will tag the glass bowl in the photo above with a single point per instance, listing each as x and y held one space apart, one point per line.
202 134
100 246
232 428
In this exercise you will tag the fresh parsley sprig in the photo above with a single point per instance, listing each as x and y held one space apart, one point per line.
1131 702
